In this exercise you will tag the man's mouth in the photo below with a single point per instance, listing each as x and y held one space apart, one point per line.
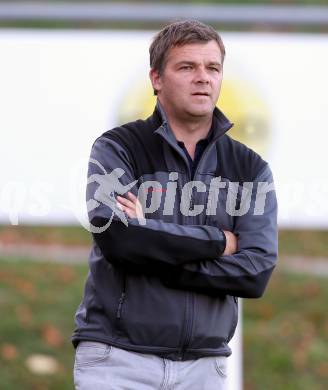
201 94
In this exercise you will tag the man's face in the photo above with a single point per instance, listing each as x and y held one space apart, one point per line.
190 84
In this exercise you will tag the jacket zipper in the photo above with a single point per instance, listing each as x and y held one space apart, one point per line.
189 316
209 146
122 297
189 322
190 297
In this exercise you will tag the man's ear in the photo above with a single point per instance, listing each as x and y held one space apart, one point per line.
155 79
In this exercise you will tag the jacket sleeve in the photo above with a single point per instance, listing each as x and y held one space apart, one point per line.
246 273
155 247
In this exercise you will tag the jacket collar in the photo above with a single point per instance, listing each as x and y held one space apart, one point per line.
220 123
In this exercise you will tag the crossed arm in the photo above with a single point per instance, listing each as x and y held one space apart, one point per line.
133 208
197 257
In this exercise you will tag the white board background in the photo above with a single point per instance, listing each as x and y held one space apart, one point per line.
59 90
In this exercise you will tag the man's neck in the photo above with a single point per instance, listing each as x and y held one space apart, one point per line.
189 130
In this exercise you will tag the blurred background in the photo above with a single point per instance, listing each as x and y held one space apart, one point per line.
71 70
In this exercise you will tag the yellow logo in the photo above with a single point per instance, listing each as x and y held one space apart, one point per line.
239 100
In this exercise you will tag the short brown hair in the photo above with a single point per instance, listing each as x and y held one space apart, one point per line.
177 34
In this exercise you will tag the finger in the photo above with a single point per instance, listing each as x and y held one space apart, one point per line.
129 212
131 195
125 202
121 207
133 198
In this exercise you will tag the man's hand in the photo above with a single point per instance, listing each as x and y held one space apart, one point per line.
231 245
131 206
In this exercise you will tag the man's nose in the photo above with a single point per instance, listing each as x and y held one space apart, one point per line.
201 75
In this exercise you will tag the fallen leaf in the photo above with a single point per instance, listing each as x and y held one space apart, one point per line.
52 336
65 274
322 369
24 314
9 352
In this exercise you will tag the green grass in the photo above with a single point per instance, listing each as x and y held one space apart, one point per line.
286 335
310 243
64 235
285 332
154 25
37 304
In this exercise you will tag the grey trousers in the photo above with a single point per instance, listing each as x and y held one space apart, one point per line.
100 366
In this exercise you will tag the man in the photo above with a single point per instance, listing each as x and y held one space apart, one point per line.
191 226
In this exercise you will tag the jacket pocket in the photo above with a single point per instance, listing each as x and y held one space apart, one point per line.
214 322
235 318
122 297
149 313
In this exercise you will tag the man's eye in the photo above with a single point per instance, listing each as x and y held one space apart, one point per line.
186 67
215 69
